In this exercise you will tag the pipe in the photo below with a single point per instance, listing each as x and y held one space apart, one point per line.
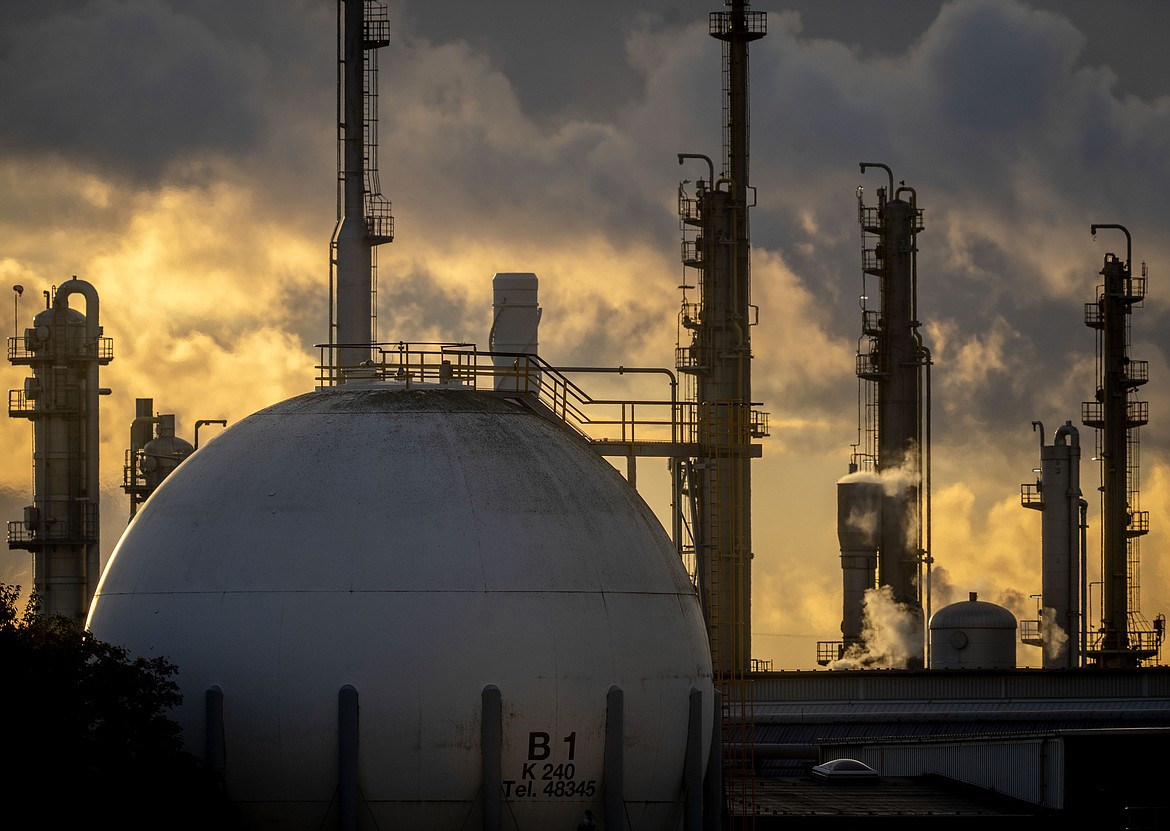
886 168
1067 430
710 164
203 421
1084 506
1128 240
93 333
928 456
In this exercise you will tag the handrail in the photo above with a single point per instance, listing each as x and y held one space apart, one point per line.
522 374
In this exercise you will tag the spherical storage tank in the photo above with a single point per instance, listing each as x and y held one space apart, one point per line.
972 634
421 550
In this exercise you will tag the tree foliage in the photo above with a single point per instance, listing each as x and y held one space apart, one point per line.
87 735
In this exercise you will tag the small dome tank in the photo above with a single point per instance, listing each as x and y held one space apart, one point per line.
165 452
418 546
972 634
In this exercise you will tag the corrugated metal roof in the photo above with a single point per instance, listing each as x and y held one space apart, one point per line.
890 731
1156 709
907 797
962 684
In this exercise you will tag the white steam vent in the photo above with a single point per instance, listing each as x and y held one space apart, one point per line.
515 320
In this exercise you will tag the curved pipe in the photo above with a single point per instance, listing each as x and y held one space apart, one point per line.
1067 431
886 168
75 286
1128 240
710 164
204 421
1038 427
93 332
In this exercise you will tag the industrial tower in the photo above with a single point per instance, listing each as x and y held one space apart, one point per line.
884 502
364 220
714 356
1125 638
714 360
64 348
1059 630
155 451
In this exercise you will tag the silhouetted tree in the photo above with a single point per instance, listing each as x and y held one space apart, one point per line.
87 737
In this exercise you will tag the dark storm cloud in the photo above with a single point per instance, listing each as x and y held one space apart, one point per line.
128 87
527 135
418 307
1013 142
567 60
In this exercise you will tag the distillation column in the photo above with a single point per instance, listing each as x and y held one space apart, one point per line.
64 348
718 358
1124 639
891 364
364 219
1057 494
715 360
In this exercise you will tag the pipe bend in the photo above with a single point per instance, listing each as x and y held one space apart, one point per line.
86 290
1068 432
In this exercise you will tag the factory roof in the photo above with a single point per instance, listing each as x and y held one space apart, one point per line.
795 802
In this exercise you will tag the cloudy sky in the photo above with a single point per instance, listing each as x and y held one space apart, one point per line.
181 157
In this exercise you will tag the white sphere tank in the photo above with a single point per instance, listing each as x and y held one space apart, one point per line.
419 545
973 634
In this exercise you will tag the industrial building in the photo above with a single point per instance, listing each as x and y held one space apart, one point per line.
448 609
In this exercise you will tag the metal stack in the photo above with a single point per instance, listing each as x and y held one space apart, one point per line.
64 349
1125 638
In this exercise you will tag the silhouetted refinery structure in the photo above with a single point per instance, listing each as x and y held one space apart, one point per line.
440 491
883 502
447 609
64 350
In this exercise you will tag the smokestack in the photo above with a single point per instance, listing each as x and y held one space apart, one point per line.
1060 560
364 218
859 516
354 255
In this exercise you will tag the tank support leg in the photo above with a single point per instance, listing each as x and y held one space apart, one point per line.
491 745
347 756
614 760
693 765
213 749
713 797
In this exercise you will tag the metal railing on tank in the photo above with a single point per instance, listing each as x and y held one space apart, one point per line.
624 419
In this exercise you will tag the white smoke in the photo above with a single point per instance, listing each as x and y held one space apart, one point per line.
865 521
1054 637
894 479
891 634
